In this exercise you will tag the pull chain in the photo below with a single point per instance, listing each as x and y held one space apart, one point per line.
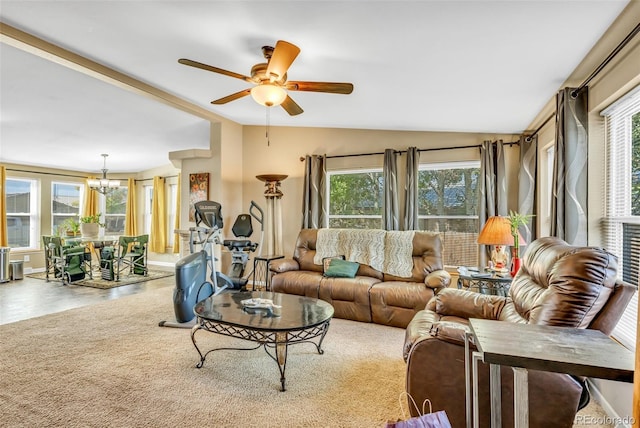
268 126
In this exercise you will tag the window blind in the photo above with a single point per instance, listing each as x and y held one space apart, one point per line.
621 230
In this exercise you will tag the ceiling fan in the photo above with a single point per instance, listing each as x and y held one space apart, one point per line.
270 79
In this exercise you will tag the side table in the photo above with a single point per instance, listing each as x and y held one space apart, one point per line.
574 351
488 282
261 277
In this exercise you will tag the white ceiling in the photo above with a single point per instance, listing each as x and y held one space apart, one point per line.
469 66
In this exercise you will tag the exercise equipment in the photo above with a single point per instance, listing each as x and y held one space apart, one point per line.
241 248
192 285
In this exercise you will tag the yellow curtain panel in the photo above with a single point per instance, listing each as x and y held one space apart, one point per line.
90 201
130 223
158 238
4 240
176 226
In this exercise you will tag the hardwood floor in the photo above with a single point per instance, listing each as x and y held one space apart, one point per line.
30 297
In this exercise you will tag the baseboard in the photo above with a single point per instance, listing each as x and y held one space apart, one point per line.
614 417
164 264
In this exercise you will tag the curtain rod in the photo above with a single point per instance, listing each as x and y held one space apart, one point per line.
512 143
46 173
75 176
147 179
529 137
606 61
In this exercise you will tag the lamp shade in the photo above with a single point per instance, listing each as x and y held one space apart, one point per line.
497 231
268 94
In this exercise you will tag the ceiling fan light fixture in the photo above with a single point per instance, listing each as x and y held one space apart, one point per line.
268 94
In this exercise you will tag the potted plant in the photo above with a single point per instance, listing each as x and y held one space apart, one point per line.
90 225
70 227
515 221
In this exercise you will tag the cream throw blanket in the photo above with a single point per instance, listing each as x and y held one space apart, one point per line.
398 251
388 252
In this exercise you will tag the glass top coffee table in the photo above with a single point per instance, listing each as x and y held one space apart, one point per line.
299 319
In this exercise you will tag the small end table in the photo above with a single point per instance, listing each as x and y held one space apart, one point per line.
574 351
261 277
487 282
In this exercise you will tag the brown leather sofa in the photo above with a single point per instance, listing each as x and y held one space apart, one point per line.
558 285
372 296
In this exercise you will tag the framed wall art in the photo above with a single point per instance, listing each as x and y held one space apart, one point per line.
198 191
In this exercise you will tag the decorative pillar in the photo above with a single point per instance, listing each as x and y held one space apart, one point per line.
273 221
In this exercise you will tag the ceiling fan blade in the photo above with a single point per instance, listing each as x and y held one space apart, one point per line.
202 66
232 97
331 87
282 58
291 107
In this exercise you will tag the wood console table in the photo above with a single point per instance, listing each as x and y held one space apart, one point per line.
579 352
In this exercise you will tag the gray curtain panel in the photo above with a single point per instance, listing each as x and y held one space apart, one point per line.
527 185
411 190
314 210
569 196
391 209
491 189
501 180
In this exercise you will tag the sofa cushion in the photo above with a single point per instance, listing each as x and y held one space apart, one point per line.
562 285
427 257
301 283
305 250
396 302
339 268
348 296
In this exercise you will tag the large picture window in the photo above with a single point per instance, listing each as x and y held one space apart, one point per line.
22 213
113 206
148 203
355 199
621 224
171 212
448 204
65 203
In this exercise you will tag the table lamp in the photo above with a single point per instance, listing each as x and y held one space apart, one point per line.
497 231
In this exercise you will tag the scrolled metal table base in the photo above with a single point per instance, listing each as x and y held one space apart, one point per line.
277 340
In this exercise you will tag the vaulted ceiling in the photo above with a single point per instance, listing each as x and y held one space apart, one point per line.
468 66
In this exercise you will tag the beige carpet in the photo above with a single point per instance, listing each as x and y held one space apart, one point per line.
111 365
98 282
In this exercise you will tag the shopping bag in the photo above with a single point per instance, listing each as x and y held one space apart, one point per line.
429 419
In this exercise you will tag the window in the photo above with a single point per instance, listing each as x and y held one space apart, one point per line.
65 203
622 199
148 200
22 213
355 199
448 204
113 206
171 213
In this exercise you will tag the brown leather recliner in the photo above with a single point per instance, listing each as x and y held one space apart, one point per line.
558 284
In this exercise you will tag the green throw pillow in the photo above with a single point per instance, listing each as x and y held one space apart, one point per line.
327 260
339 268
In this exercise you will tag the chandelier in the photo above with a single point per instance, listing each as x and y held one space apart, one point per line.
103 185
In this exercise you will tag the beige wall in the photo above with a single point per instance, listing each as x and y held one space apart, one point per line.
620 76
616 80
289 144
